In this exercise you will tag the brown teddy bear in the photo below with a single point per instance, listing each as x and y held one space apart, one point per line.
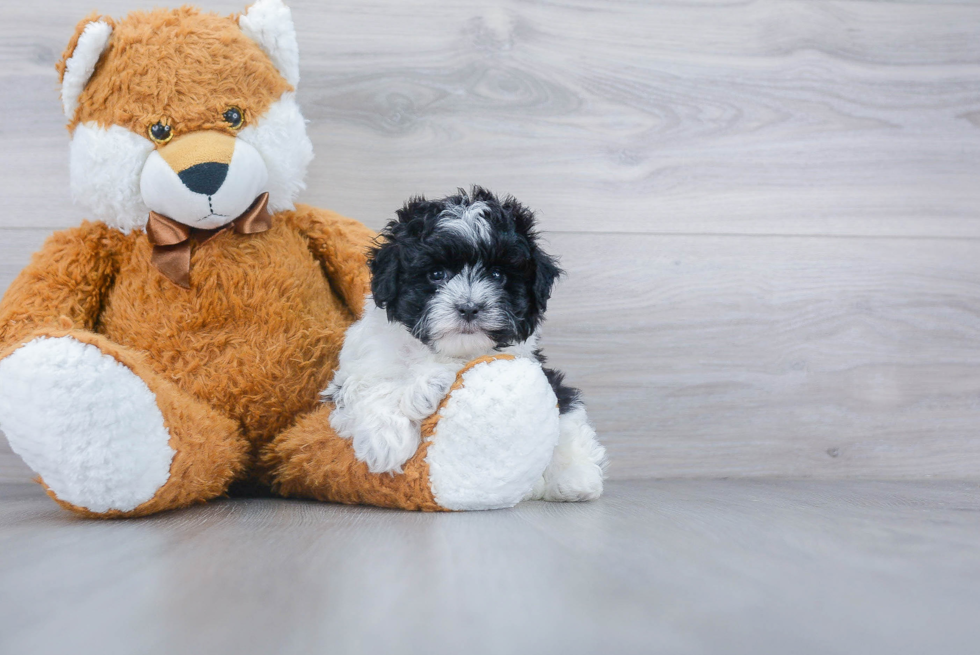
176 346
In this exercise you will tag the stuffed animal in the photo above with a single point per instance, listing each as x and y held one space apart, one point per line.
176 346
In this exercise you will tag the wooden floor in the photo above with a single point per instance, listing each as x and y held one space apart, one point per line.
681 566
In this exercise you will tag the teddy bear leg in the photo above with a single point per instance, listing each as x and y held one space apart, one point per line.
107 436
485 448
309 460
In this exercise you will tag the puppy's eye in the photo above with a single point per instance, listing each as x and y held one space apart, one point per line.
160 133
497 275
234 117
437 275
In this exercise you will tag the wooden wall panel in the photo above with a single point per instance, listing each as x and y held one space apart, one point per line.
805 117
774 356
768 210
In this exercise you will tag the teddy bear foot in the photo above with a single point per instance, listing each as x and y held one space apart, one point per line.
494 437
578 465
85 423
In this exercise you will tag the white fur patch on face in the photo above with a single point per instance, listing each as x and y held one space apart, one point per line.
105 166
467 221
495 436
270 24
166 194
280 137
448 332
87 424
79 68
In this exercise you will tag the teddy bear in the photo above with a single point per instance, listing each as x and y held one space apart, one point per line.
173 348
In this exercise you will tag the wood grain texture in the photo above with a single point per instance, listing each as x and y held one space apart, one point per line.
774 356
780 117
654 567
811 167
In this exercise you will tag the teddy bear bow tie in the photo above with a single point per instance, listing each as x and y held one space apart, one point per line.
172 241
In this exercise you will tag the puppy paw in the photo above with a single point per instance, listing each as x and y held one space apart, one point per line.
387 443
577 466
422 398
579 482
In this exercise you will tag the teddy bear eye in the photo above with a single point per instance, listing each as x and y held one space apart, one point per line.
161 133
234 117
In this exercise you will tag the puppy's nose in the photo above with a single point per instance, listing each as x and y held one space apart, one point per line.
468 311
204 178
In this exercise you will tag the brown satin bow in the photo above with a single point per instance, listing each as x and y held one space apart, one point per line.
172 241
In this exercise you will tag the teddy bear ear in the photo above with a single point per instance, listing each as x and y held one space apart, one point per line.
78 62
270 24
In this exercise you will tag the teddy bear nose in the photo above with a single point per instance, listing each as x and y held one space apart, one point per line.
204 178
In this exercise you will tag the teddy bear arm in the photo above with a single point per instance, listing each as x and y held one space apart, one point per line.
65 284
341 246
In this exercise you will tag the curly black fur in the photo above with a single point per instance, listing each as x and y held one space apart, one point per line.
415 243
568 397
411 245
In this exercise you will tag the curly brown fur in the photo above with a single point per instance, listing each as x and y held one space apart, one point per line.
250 345
310 461
236 361
210 449
153 71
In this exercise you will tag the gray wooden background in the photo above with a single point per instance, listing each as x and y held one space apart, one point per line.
769 211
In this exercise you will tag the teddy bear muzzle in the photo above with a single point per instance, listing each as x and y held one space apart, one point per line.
203 179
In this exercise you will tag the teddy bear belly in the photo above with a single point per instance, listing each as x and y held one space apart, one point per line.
257 336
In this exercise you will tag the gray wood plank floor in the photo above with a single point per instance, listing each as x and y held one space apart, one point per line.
769 211
676 566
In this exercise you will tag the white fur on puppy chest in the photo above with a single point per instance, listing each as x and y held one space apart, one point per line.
495 436
85 423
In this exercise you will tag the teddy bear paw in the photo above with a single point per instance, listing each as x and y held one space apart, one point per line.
495 436
85 423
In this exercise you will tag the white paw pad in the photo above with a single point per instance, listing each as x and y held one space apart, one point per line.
85 423
495 436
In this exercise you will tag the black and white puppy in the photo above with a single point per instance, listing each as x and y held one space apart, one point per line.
453 280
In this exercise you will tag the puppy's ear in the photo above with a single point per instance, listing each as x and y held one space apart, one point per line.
385 267
546 273
539 284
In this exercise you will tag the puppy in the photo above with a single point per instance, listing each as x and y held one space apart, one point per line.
453 280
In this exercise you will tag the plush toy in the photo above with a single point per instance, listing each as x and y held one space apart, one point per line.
177 346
